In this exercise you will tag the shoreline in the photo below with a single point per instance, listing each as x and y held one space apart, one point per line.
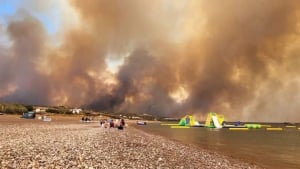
245 163
226 155
71 144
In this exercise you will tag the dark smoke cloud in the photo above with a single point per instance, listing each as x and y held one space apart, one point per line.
28 38
239 58
140 88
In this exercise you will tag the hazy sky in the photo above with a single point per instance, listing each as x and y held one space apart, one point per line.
166 57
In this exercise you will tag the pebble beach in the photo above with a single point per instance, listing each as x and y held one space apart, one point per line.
67 143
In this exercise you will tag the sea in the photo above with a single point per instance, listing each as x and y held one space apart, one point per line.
269 149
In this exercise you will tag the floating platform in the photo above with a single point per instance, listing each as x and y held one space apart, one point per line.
253 126
274 129
266 125
180 127
239 129
290 126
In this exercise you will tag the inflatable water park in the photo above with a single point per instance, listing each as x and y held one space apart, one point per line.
213 120
216 121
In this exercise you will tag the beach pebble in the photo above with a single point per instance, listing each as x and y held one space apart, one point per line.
77 145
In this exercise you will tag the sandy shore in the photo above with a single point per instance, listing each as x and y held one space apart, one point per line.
67 143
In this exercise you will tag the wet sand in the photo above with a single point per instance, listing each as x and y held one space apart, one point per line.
67 143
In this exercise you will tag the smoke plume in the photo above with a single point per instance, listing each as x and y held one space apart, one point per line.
237 58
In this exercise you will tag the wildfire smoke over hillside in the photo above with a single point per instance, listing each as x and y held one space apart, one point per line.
238 58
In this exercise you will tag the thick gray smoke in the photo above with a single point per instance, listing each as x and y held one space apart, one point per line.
21 61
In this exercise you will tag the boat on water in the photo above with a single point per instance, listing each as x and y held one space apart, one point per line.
141 123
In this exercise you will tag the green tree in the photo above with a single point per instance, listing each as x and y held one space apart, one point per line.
29 107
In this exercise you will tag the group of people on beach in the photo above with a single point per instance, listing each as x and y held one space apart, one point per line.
85 119
113 123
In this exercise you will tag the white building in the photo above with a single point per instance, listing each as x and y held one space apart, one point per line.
76 111
40 109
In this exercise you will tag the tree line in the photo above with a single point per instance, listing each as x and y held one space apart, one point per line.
11 108
14 108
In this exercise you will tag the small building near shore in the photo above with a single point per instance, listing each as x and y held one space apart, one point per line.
40 109
76 111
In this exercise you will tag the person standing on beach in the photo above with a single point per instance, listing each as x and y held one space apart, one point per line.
111 124
122 124
117 122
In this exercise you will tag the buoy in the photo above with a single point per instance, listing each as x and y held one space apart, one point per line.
253 126
274 129
239 129
290 126
180 127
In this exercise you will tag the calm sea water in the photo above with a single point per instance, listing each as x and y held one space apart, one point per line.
270 149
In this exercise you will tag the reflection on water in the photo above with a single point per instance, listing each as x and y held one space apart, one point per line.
271 149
